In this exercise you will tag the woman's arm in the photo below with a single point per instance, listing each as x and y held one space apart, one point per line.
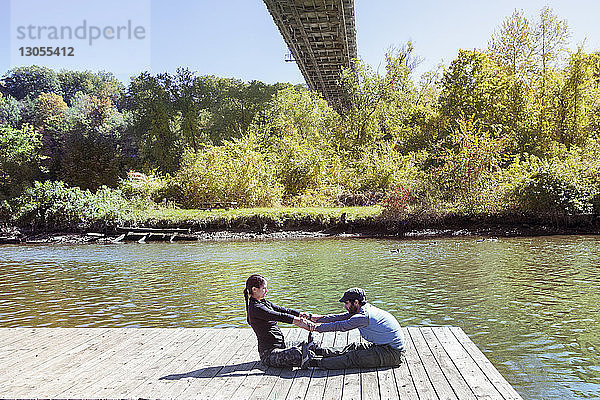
262 311
284 310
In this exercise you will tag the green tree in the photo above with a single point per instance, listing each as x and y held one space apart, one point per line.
377 101
152 128
474 87
30 81
101 85
10 111
20 159
90 153
513 44
574 96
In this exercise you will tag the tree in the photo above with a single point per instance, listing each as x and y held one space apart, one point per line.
378 102
90 153
474 87
574 97
551 36
101 85
514 45
10 112
30 81
149 100
20 159
50 111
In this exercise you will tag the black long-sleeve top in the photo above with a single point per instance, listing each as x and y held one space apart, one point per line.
263 316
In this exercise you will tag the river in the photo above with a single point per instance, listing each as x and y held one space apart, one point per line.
532 305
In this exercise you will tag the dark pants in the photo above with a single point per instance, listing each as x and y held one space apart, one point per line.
354 355
290 356
357 355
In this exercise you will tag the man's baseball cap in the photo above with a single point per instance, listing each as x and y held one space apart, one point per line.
354 294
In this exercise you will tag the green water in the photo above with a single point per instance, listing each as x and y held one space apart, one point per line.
531 304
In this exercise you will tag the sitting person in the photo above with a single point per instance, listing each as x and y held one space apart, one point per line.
386 340
262 315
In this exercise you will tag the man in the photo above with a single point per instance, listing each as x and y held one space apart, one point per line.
386 341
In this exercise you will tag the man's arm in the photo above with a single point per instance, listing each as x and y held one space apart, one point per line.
355 321
331 317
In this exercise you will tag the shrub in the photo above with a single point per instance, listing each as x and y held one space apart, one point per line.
566 183
375 169
466 164
231 172
546 192
151 188
301 166
54 205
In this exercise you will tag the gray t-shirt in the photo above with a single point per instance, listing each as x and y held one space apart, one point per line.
375 325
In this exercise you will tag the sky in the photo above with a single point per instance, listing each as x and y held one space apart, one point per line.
238 38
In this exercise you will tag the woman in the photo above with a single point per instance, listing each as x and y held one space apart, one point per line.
263 317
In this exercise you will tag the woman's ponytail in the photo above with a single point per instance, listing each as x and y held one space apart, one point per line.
256 281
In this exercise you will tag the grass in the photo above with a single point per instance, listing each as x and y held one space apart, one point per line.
273 214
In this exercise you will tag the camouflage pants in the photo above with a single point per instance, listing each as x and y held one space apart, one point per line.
290 356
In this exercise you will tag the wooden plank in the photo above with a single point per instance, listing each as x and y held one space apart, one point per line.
255 375
432 368
143 365
228 379
472 374
108 364
93 361
351 389
215 365
17 343
404 382
13 338
194 343
34 351
387 384
40 360
388 388
261 379
200 365
52 378
151 230
501 384
318 380
369 382
423 385
281 386
31 349
335 378
303 377
208 363
125 369
452 374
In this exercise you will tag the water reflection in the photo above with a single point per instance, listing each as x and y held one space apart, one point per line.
531 304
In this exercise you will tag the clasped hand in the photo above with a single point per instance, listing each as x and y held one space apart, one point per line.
309 316
307 324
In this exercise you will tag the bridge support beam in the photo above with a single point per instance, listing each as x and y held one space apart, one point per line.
321 35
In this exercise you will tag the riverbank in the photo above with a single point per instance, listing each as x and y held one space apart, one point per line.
299 223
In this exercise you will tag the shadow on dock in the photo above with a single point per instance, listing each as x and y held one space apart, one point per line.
241 369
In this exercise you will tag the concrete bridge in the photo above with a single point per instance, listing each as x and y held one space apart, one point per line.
322 39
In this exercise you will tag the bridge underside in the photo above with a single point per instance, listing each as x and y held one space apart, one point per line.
322 38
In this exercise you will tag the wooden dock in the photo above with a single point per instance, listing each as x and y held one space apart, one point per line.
210 363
